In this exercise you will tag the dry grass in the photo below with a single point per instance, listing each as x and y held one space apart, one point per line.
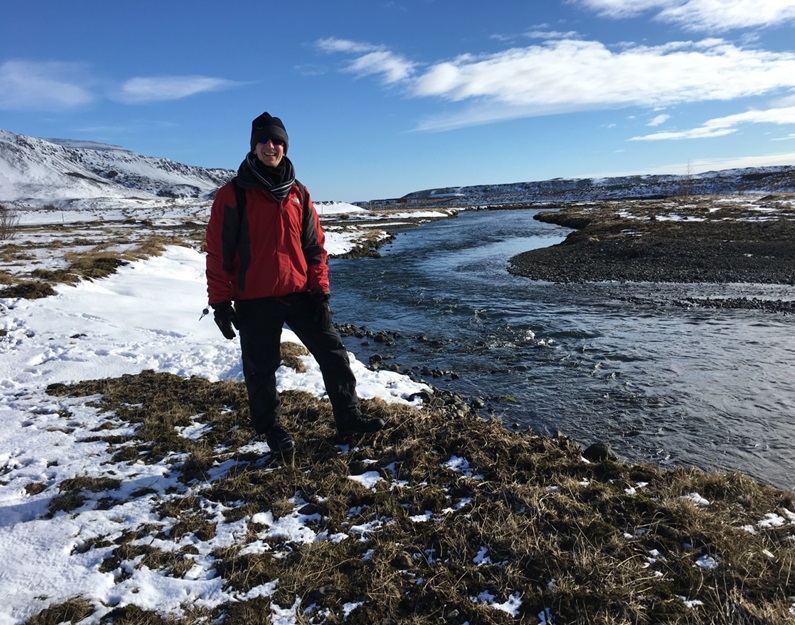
72 611
291 354
604 543
71 256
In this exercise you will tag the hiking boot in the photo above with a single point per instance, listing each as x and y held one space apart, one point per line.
356 423
279 440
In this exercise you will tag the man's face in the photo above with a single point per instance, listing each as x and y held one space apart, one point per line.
270 153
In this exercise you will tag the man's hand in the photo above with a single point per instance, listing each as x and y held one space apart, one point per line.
225 317
320 307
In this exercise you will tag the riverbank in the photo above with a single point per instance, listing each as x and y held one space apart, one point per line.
441 518
132 492
697 239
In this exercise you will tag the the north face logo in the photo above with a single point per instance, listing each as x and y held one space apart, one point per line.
296 201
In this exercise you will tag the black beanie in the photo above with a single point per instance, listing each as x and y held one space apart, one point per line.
267 127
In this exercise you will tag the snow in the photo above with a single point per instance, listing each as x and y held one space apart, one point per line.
368 479
337 208
38 172
697 499
145 316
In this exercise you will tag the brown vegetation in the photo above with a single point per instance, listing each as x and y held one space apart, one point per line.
9 220
465 509
82 260
684 239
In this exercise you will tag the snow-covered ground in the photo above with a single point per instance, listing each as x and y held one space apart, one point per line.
146 316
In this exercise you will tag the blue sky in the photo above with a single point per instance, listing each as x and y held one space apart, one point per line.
385 97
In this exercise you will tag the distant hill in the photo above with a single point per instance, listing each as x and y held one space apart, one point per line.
64 172
729 181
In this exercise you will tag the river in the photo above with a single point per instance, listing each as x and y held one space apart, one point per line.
620 363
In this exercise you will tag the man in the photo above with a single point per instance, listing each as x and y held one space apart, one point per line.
267 266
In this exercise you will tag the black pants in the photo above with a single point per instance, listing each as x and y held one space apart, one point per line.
260 324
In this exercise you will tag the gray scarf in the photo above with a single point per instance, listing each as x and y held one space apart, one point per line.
277 181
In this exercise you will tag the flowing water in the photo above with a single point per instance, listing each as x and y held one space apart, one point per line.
612 362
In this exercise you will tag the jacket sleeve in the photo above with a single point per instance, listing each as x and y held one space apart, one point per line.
219 270
313 242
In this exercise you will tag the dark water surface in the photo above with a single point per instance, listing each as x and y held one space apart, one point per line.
619 363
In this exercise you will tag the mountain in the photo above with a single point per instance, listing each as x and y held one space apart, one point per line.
35 172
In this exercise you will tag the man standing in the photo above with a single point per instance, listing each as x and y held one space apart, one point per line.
267 266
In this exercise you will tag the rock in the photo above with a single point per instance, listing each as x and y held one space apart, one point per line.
598 452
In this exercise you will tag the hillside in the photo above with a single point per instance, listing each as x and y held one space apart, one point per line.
67 173
726 182
34 172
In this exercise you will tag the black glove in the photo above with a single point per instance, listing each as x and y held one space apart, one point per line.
320 307
225 317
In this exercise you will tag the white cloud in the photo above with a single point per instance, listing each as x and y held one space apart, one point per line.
722 126
43 86
694 166
373 60
741 162
332 44
621 8
393 68
568 75
703 132
659 120
786 101
702 15
58 86
573 75
551 34
588 74
155 89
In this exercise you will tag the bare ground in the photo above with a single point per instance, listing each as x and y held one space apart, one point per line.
705 239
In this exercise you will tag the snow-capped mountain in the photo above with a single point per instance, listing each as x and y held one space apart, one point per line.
34 172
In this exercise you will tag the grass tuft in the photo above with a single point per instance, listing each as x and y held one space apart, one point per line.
72 611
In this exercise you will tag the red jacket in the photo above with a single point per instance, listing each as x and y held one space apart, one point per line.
276 249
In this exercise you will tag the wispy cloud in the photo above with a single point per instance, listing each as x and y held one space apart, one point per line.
371 60
701 15
722 126
331 44
589 74
566 75
573 75
740 162
58 86
159 88
43 86
659 120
